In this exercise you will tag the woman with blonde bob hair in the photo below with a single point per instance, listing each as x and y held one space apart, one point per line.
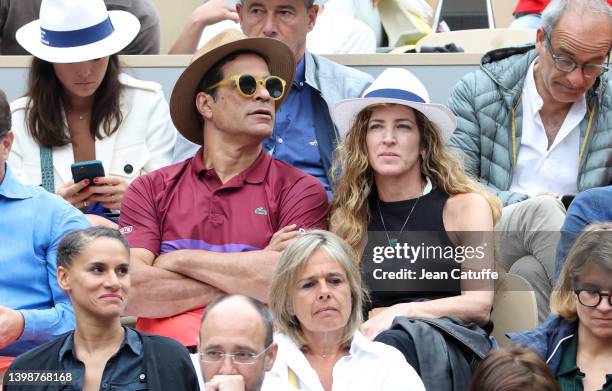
397 176
577 341
316 298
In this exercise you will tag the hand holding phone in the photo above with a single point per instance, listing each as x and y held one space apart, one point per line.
89 169
108 191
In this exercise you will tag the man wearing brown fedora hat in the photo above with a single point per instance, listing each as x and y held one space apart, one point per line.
216 223
304 134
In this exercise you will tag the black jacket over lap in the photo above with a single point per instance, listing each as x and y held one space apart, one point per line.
448 349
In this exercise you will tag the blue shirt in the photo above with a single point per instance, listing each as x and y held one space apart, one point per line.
294 140
32 223
588 207
123 371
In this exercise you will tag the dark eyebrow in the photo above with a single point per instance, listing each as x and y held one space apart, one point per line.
310 278
253 5
397 120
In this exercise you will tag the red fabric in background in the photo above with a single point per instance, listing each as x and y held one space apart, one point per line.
5 362
534 6
530 6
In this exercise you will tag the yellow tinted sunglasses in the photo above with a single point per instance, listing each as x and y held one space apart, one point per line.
247 85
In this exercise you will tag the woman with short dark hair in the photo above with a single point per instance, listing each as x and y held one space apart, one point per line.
94 269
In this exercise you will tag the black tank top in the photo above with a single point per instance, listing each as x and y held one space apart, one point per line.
424 229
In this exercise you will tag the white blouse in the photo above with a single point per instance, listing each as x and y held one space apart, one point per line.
370 366
143 142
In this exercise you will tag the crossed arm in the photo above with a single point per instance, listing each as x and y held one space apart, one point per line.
181 280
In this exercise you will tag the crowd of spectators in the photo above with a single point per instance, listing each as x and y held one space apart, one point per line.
287 222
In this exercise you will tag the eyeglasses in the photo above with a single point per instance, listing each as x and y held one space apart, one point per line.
568 65
216 356
247 85
591 297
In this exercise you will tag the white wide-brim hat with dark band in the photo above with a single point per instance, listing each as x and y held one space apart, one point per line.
398 86
183 110
77 30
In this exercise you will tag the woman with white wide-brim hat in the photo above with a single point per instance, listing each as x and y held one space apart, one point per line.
396 176
80 107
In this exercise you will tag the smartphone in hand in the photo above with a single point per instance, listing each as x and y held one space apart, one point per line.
89 169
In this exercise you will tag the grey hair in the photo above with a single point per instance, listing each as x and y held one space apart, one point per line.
73 244
557 8
262 310
291 263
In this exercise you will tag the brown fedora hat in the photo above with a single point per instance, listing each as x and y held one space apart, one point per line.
182 102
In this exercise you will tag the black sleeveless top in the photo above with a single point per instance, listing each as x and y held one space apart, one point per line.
424 247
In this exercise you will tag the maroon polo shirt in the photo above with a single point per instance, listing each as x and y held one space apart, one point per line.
185 206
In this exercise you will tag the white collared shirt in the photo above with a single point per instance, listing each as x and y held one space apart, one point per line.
370 366
538 168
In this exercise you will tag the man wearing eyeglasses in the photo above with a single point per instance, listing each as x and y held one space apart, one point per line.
216 223
535 127
236 346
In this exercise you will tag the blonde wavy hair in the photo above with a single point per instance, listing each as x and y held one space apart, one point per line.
354 178
593 245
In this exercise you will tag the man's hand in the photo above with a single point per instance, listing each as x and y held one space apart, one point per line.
214 11
281 238
11 326
226 383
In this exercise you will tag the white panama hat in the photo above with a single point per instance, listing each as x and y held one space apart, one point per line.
77 30
399 86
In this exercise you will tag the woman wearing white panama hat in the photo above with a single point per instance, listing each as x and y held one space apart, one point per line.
397 176
79 106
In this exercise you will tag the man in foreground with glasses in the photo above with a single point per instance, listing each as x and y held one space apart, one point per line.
535 127
236 346
216 223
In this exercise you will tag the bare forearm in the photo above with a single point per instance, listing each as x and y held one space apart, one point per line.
187 42
157 293
471 307
247 273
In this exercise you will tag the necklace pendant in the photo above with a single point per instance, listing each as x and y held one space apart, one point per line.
393 242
